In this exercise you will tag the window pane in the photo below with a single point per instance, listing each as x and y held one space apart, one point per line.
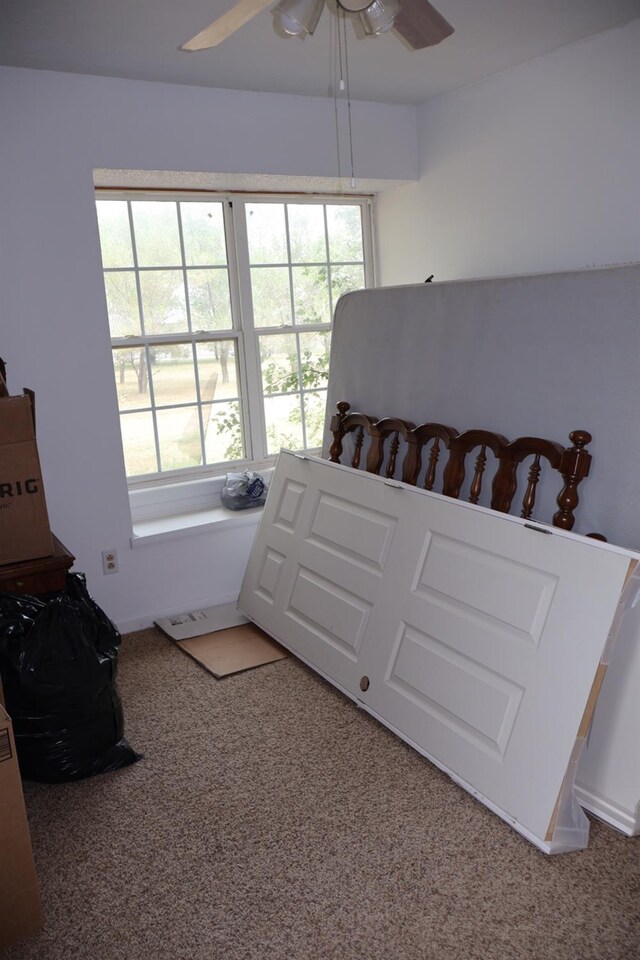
314 410
155 225
209 300
203 233
311 295
167 278
306 233
132 378
173 375
314 356
284 423
115 235
122 304
345 279
179 438
218 370
223 432
266 233
271 296
279 362
163 304
138 443
345 232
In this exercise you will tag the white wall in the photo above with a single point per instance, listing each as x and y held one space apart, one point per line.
532 170
56 128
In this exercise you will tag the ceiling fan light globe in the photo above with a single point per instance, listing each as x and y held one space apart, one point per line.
354 6
378 17
298 17
285 25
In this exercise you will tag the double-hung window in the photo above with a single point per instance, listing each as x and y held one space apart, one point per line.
220 312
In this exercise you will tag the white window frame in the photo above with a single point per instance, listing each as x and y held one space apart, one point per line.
184 492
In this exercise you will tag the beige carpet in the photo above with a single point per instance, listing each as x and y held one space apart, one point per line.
272 820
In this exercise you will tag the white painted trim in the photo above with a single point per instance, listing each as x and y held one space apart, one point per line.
241 182
167 499
213 520
610 812
175 498
171 510
142 622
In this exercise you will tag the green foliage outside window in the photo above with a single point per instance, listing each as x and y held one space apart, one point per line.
312 376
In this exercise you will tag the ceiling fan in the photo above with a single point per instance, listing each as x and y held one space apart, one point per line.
416 21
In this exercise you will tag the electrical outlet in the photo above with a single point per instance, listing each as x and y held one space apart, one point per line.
109 561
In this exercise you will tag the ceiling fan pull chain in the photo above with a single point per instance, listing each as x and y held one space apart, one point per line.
341 24
346 69
334 44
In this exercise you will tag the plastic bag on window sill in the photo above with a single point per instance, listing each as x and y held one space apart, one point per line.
242 490
58 659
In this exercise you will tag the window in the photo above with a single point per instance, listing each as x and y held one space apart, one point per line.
220 316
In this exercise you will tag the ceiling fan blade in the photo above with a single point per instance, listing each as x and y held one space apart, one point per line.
225 25
420 24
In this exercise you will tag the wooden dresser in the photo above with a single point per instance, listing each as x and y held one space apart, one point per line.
43 575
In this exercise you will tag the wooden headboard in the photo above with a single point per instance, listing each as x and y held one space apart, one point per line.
414 451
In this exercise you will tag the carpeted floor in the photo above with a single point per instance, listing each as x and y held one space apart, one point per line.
273 820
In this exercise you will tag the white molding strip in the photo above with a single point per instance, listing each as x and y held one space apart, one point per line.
610 812
132 624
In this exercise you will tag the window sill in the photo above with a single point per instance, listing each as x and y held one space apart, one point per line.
212 520
166 511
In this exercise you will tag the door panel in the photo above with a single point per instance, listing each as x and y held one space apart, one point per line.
315 575
334 615
480 634
453 689
463 577
351 531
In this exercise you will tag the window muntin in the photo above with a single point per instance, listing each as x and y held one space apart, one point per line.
190 393
294 370
220 314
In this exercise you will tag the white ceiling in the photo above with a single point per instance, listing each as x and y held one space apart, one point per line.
139 39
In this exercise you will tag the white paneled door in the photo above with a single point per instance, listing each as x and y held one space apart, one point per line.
319 567
476 637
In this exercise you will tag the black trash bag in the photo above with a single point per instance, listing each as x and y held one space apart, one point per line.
58 658
242 490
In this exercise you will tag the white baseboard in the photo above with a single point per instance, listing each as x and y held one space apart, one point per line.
609 812
144 621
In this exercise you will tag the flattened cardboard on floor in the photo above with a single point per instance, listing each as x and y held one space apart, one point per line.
195 623
24 522
20 913
233 650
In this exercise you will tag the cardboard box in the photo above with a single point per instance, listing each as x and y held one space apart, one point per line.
20 911
24 522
